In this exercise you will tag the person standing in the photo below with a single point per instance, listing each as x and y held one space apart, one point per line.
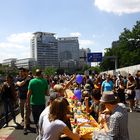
22 84
131 84
8 94
120 91
107 85
137 89
37 89
96 107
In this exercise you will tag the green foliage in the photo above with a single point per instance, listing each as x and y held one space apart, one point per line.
127 49
34 69
2 72
49 71
97 69
82 69
85 67
14 73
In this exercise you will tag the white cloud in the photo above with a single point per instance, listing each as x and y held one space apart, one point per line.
86 43
8 45
76 34
20 38
16 46
83 43
118 6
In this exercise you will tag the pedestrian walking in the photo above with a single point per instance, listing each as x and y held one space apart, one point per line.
37 90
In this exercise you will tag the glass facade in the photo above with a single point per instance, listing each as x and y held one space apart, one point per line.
45 49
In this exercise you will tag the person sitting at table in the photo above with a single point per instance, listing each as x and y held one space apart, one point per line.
116 127
53 125
86 95
88 88
96 106
45 113
62 89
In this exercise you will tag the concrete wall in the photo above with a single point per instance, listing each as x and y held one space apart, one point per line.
124 71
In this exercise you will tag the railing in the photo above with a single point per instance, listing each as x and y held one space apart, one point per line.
2 117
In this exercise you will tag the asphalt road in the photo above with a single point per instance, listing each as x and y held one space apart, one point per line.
17 134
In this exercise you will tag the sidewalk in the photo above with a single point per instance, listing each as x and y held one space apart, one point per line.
5 132
12 133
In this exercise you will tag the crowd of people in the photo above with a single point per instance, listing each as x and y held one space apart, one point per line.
105 98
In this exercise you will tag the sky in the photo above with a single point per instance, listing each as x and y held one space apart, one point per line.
97 23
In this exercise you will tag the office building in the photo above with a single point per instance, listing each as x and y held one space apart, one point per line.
9 62
27 63
68 48
83 57
44 49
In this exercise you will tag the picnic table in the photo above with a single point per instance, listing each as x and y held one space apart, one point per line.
80 116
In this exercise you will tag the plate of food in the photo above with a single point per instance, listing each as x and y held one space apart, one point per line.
86 130
82 120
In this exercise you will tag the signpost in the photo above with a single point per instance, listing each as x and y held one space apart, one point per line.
94 57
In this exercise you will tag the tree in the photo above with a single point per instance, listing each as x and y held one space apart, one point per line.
127 49
49 71
96 69
34 69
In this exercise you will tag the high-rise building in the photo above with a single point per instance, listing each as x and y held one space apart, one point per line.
83 56
68 48
44 49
